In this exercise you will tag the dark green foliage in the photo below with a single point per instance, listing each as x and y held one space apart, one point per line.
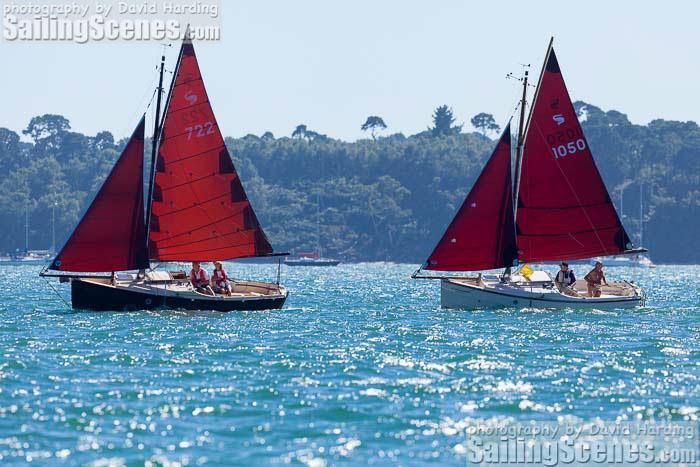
443 122
373 123
485 123
386 199
299 131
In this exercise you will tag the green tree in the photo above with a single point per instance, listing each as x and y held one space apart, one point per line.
299 132
10 151
46 126
485 123
443 122
373 123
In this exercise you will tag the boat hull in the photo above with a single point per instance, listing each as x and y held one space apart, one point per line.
457 294
100 296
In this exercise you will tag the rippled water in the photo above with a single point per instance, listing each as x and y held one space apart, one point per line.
362 366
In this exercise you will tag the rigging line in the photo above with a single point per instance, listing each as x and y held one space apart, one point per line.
218 236
189 106
218 248
189 182
140 102
564 234
200 227
574 239
192 206
205 152
58 294
571 188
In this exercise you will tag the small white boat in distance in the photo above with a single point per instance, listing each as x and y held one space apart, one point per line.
632 261
311 259
561 211
35 257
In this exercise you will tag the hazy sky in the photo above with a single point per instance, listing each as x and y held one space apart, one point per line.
330 63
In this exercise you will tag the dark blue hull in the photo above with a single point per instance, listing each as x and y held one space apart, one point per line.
88 295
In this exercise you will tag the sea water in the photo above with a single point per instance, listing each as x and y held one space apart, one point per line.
360 367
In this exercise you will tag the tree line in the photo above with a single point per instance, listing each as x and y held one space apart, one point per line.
387 197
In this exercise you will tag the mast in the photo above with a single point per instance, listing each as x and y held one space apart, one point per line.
622 203
524 126
53 228
154 147
521 141
641 214
318 224
26 228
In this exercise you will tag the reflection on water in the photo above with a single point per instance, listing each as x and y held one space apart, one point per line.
361 366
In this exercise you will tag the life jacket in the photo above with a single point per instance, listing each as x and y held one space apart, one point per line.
219 276
568 277
198 280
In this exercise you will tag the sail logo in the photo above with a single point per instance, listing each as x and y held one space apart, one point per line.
558 119
191 98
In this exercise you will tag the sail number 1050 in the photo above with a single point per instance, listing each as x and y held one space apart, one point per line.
568 148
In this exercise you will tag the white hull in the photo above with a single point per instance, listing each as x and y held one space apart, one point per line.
472 293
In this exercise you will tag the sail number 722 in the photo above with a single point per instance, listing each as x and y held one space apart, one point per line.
199 130
569 148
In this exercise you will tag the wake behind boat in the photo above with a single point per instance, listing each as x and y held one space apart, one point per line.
561 211
197 210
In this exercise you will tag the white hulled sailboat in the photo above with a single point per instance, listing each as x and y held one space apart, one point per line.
561 211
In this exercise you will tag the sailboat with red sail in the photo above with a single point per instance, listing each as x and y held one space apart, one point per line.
556 208
196 210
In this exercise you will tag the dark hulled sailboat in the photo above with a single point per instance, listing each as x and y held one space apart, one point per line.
562 211
197 210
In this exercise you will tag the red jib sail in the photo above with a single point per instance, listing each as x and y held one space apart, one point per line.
199 210
564 210
482 235
111 236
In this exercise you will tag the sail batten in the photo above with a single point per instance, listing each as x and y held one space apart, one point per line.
111 236
199 210
563 208
482 235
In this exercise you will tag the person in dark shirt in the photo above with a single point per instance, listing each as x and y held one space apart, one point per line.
565 278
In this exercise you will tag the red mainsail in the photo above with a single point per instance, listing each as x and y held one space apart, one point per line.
564 210
111 236
482 235
199 210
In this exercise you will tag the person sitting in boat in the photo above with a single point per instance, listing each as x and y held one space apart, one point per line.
594 279
565 278
199 279
219 279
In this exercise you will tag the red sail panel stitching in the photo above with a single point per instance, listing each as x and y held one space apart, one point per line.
200 200
564 210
